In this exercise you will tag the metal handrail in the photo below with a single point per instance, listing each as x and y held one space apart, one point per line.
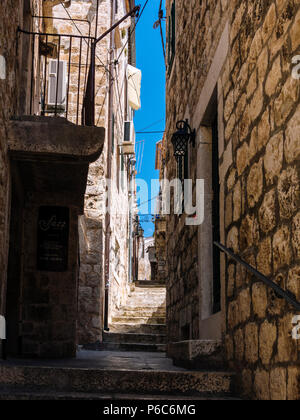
281 293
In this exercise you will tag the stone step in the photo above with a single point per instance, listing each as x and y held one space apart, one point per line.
48 379
134 347
135 320
149 284
109 337
141 308
198 354
13 394
156 291
138 329
144 313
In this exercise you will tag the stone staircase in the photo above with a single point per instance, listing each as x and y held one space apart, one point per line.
141 324
95 375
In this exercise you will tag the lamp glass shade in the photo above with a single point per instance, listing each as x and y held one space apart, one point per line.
180 141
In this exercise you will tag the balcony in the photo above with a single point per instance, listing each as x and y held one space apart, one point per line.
60 75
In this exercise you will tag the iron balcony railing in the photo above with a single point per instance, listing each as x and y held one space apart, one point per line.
58 71
63 72
280 293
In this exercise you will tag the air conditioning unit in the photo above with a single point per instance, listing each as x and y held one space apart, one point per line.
129 138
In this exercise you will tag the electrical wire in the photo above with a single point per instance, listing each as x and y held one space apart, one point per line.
151 125
68 13
148 201
133 30
149 132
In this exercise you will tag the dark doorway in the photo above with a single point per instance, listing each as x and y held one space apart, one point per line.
13 300
216 216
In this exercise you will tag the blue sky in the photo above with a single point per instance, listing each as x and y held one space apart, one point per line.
150 60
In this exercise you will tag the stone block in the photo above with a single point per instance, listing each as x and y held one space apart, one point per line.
288 192
267 339
251 343
262 385
255 184
278 381
233 239
293 380
264 257
292 143
296 235
273 158
267 212
295 32
247 383
242 159
259 299
269 23
244 305
256 104
239 345
231 280
282 253
274 78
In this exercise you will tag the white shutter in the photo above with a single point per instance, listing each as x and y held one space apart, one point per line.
2 328
52 83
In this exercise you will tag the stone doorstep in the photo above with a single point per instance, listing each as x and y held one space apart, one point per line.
138 320
140 329
134 347
149 284
84 380
193 354
110 337
140 308
132 313
12 394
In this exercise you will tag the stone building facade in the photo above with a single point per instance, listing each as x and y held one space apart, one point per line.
54 160
11 17
105 252
231 72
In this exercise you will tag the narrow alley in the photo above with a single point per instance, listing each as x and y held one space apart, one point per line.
150 201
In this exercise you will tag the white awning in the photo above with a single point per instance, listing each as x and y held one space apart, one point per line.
134 77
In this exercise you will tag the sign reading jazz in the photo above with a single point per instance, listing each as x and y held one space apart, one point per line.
53 238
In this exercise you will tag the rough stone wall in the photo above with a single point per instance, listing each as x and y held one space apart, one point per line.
262 196
195 47
91 287
259 176
92 225
11 13
120 190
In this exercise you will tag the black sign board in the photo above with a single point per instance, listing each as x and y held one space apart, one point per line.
53 239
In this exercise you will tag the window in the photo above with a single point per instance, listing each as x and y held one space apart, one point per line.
172 36
57 83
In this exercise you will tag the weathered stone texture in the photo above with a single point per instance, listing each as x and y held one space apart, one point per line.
259 173
11 18
267 162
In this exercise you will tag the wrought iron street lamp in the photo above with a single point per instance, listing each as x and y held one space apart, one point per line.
183 136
